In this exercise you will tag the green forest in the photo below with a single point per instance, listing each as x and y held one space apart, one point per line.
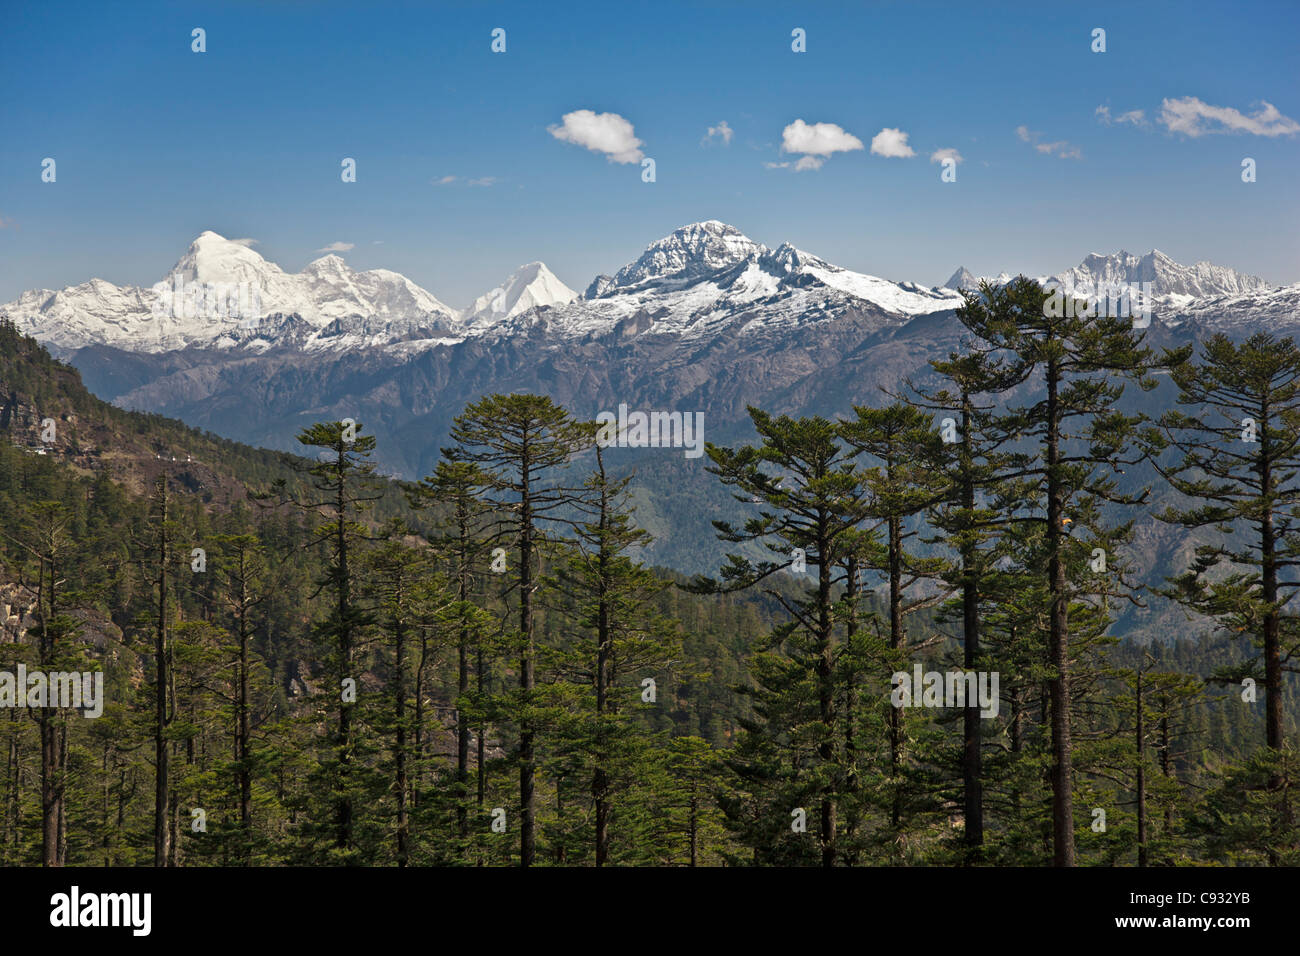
306 662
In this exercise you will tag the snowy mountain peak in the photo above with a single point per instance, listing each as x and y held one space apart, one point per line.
217 296
689 252
1167 277
530 286
962 281
212 258
702 280
329 263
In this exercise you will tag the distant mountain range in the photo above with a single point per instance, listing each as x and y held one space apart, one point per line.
704 320
702 280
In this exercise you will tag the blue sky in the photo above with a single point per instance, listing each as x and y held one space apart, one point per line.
155 143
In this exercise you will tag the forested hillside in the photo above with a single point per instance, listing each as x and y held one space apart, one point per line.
305 662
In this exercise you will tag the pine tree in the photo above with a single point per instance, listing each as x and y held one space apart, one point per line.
1240 457
969 520
162 544
903 477
810 499
406 595
608 595
343 489
1073 435
521 442
241 566
48 544
463 538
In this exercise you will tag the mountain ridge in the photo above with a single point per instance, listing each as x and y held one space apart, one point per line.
699 281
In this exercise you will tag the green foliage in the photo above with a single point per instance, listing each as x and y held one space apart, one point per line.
487 693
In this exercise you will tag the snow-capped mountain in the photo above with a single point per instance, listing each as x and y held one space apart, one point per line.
964 281
1174 287
701 281
691 252
1271 309
529 287
708 276
221 293
1167 277
702 278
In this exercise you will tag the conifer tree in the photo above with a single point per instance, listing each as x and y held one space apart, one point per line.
811 499
1075 440
522 442
464 536
48 545
342 489
903 478
608 594
969 519
162 543
241 566
1240 460
405 595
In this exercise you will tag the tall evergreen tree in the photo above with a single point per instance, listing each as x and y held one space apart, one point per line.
1075 439
903 477
969 519
522 442
464 536
1240 462
811 499
342 490
241 566
608 594
48 545
162 545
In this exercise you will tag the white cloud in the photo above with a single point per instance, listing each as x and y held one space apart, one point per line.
1060 149
338 247
891 143
606 133
816 141
1192 117
721 131
244 242
939 155
479 181
1133 117
776 165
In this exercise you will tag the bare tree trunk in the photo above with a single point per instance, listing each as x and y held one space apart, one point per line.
972 783
1140 733
895 642
161 830
527 770
399 708
604 648
1058 640
244 748
462 689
